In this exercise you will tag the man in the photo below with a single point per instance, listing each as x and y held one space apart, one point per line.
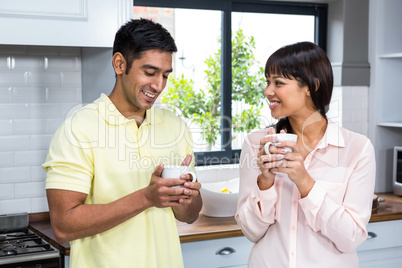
104 185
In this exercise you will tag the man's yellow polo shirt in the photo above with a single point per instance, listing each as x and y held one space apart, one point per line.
99 152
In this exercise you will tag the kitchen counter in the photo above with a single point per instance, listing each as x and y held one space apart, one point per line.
205 228
40 224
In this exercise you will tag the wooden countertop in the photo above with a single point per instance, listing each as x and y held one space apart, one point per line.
40 224
205 228
390 209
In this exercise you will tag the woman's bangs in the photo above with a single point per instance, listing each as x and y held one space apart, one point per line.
278 66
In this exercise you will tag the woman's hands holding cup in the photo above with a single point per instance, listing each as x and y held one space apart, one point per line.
280 154
265 161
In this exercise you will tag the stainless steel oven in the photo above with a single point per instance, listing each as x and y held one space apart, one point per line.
397 171
22 248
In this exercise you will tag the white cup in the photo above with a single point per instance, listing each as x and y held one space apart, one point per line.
174 172
281 137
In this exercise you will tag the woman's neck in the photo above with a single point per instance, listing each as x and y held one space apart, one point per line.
309 130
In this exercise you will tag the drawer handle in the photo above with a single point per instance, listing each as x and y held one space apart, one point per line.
225 251
371 235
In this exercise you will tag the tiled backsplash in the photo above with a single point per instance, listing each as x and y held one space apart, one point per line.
355 109
349 106
38 87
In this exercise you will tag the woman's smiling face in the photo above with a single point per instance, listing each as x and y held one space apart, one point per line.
286 96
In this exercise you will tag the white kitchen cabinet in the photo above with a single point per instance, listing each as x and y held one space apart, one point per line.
83 23
66 261
383 248
225 252
385 92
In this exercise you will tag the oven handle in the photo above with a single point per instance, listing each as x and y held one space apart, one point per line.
30 257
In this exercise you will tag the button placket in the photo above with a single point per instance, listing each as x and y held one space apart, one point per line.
143 145
293 227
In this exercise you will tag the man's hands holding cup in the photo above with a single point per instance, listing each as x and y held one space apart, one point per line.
171 186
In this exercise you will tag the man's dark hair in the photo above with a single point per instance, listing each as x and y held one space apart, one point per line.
137 36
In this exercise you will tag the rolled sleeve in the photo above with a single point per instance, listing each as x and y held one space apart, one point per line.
311 205
69 165
340 211
266 199
254 221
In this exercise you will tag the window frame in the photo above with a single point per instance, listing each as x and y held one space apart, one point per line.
319 10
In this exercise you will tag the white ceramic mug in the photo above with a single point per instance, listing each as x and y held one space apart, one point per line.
174 172
281 137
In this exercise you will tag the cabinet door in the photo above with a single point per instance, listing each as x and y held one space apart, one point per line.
66 261
383 247
225 252
84 23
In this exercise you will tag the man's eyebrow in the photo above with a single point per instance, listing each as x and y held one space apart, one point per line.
148 66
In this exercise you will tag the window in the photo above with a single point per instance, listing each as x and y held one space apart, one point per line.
218 82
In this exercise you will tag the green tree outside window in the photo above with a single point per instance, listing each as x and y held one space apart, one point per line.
203 106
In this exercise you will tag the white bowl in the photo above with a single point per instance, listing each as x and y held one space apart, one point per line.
216 203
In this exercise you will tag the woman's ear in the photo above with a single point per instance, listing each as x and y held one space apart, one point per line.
119 63
317 84
308 92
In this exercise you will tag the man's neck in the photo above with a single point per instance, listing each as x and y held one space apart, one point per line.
126 109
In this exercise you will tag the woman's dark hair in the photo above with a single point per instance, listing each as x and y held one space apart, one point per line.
137 36
309 65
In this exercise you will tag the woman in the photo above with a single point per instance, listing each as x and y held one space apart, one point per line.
315 211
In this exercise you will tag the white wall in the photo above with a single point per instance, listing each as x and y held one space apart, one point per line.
349 106
38 86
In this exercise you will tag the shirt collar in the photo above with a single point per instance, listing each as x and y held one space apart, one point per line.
151 117
112 116
333 136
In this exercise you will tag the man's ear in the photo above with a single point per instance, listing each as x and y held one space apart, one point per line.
119 63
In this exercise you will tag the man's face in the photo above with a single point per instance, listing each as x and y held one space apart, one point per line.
146 79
